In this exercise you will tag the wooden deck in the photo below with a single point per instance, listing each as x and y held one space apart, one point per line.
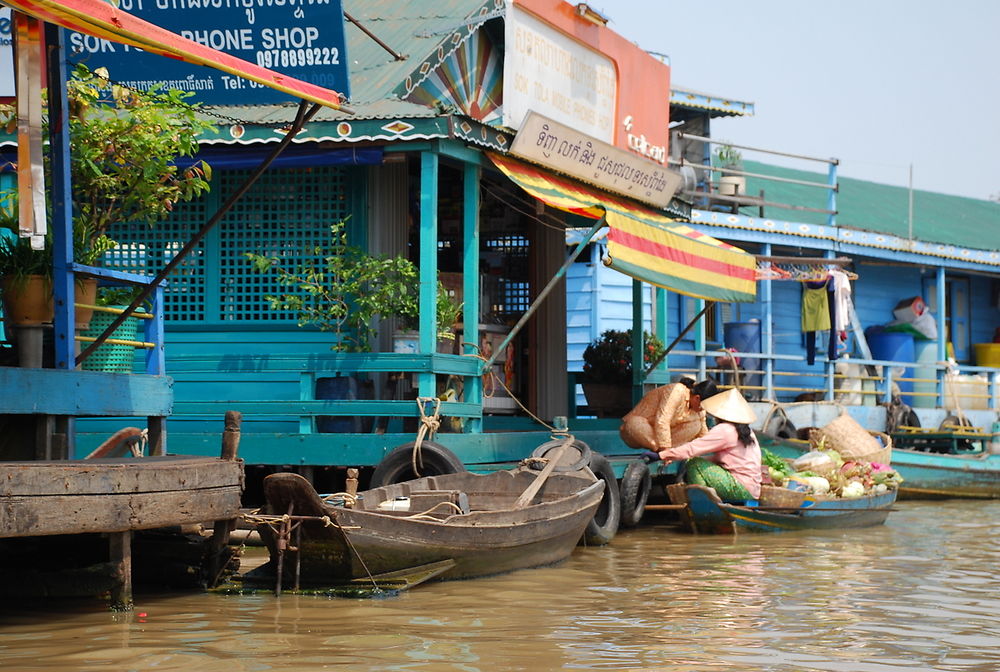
41 498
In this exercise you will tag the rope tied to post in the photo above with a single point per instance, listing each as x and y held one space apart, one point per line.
429 425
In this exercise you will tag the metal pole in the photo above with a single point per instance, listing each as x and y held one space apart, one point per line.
677 340
544 293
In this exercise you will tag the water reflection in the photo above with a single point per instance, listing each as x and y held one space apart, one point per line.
919 593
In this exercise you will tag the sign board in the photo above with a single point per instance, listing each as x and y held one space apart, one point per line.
303 39
552 74
6 54
567 150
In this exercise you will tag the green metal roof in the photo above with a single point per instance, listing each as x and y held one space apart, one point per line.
882 208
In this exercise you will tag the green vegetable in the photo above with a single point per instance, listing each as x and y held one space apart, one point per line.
775 462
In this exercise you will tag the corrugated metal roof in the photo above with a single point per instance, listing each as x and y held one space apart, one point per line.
682 98
883 208
414 29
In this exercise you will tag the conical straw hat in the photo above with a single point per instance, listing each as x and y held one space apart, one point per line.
730 406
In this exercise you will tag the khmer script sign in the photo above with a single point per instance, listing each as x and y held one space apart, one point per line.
301 38
567 150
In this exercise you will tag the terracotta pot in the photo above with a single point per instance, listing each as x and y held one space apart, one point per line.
606 399
28 302
86 293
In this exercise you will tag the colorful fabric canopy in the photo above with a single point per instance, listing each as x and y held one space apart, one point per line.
101 19
644 244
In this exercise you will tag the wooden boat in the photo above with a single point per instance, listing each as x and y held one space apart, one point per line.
482 524
705 513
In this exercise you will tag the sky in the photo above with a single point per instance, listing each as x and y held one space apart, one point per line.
881 85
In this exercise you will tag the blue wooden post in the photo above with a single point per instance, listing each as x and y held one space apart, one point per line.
942 347
830 370
638 341
660 299
831 199
470 284
62 202
154 334
767 330
699 338
429 162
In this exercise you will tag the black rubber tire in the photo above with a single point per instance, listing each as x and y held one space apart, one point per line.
604 525
634 489
577 465
397 466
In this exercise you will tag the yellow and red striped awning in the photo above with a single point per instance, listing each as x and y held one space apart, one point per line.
101 19
644 244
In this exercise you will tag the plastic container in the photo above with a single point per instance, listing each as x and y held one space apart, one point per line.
987 354
894 346
337 387
745 337
925 355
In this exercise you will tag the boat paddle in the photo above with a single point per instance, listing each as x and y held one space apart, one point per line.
554 456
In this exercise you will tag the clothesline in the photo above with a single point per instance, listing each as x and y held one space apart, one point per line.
801 272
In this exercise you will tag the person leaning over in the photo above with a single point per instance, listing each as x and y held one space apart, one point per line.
668 415
732 458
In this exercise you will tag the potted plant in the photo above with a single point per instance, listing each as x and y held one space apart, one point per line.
728 157
351 291
607 370
123 164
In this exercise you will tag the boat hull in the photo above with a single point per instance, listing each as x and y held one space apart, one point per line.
708 514
493 538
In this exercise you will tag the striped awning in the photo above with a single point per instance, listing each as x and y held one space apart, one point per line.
644 244
101 19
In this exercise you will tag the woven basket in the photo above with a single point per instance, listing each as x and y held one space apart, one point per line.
773 496
847 437
882 444
111 357
883 455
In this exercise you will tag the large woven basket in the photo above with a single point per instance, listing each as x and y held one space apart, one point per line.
111 357
773 496
880 446
847 437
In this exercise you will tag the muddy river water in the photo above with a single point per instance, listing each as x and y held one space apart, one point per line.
920 593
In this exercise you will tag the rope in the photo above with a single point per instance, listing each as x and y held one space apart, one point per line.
138 447
429 426
425 515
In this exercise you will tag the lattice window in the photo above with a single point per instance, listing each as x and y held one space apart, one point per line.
286 214
146 250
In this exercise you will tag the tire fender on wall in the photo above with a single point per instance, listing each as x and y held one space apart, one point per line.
635 487
397 466
602 529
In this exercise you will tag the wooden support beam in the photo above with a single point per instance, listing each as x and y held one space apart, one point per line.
156 437
218 557
121 557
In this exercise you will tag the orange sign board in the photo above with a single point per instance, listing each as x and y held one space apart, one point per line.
642 110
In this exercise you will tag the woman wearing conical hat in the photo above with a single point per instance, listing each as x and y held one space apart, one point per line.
731 462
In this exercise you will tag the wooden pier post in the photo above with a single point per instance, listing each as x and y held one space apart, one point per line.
120 544
218 559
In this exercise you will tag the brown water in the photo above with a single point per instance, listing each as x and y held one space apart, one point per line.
920 593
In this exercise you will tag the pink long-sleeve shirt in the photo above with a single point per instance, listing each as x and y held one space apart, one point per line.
743 462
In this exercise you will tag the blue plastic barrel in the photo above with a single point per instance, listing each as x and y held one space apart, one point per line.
894 346
339 387
745 337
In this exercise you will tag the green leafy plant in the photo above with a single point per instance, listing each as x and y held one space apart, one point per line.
350 290
728 156
17 258
124 146
608 359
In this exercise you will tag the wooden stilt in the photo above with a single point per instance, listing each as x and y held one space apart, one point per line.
218 557
157 437
121 557
351 485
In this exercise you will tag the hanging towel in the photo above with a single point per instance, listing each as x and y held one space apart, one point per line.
815 314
